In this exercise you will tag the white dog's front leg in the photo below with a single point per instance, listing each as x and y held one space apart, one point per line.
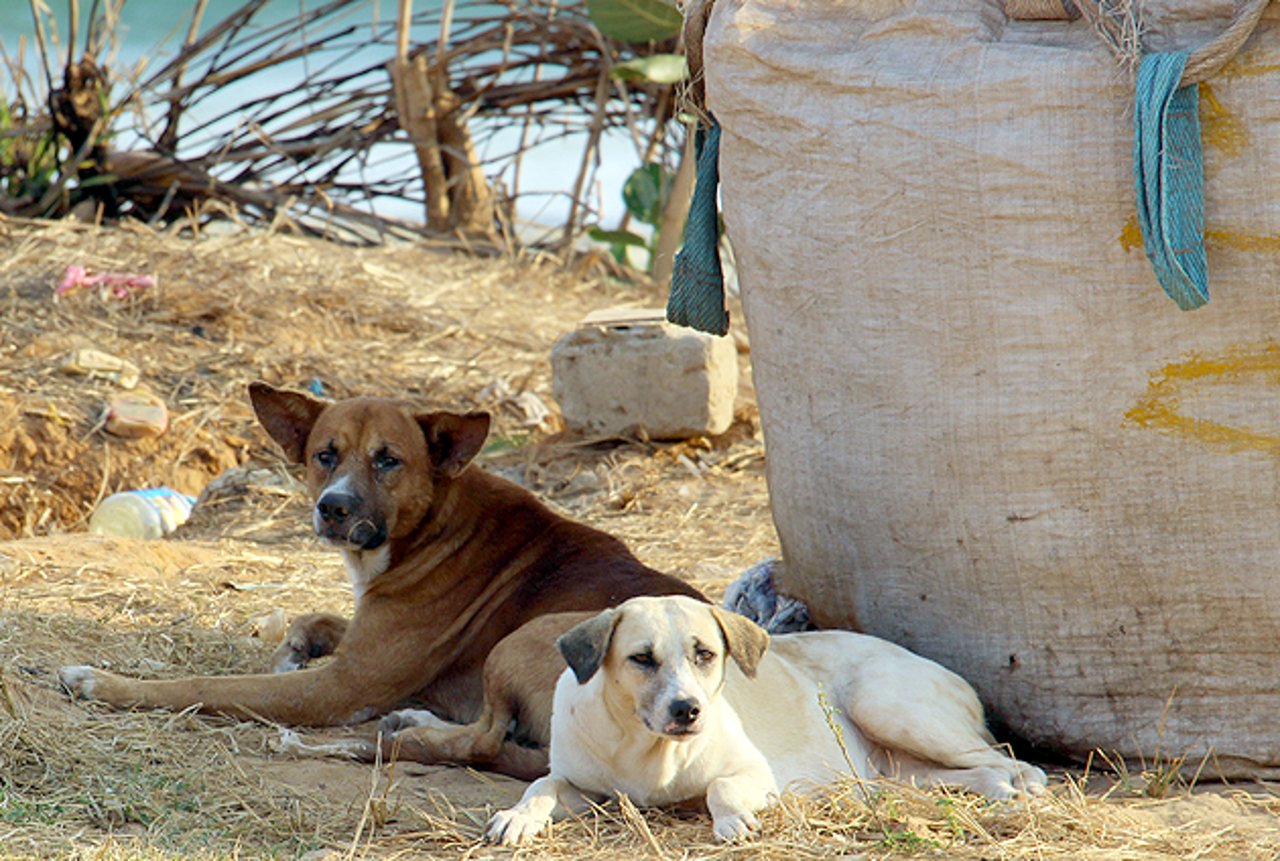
532 813
733 802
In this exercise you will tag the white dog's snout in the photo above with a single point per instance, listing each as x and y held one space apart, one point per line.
685 710
678 710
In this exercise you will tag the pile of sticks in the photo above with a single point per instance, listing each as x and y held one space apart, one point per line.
379 117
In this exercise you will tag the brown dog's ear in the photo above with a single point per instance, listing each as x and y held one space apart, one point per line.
745 641
453 439
586 643
287 416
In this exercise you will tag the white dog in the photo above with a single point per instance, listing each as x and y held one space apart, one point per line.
650 707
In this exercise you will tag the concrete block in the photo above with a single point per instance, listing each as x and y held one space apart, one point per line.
628 368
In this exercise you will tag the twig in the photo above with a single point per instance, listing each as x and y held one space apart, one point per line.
36 7
588 154
73 27
169 137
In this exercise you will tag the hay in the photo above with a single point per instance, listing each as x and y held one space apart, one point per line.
79 780
442 329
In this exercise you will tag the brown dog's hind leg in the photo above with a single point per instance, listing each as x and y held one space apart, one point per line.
485 743
512 735
310 636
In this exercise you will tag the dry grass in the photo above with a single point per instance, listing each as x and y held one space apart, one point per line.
81 781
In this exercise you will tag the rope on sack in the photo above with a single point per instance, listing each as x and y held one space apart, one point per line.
1210 58
1041 10
696 15
697 278
1118 25
1168 158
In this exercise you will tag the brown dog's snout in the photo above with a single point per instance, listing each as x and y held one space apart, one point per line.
340 515
336 508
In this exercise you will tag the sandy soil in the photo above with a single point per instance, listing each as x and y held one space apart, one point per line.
77 779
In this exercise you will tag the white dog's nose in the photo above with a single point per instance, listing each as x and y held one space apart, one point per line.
685 712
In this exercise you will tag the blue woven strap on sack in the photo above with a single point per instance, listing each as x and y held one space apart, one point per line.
697 281
1168 172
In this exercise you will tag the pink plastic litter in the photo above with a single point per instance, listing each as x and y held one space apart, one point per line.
110 284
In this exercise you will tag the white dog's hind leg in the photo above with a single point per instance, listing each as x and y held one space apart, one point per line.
532 814
931 725
996 782
1001 778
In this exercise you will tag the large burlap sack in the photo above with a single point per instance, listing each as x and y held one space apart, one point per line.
991 437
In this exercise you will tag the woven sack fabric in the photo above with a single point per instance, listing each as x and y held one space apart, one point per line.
991 436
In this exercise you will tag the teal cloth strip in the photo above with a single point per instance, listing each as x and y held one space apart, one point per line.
697 281
1168 172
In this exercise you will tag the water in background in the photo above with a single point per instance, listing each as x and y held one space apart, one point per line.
153 31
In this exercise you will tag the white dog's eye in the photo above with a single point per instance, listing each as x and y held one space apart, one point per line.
643 659
703 656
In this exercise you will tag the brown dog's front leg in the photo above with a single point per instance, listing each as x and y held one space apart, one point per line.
368 674
309 637
313 697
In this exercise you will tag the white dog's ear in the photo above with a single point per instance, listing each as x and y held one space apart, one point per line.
745 641
586 643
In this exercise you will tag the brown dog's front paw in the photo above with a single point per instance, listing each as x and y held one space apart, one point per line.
309 637
78 680
289 656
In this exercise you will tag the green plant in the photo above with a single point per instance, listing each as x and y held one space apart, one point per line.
645 193
653 69
28 162
635 20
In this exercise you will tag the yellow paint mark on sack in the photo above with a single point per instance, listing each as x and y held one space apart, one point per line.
1248 64
1228 240
1160 407
1219 128
1235 241
1131 234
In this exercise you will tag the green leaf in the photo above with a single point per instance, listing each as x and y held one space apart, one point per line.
100 179
654 69
644 191
635 20
617 237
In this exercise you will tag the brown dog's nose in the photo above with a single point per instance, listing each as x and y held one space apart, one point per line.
685 711
335 508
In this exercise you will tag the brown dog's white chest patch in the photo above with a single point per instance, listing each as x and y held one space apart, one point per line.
363 566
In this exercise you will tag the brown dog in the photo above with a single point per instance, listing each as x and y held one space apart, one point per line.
462 581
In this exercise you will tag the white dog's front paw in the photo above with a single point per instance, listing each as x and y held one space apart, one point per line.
78 680
736 826
1030 780
404 719
514 827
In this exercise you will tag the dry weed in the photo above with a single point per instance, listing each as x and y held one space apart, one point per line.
81 781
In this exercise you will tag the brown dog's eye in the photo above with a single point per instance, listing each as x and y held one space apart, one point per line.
327 458
643 659
384 462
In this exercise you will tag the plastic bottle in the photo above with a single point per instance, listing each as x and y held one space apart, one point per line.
150 513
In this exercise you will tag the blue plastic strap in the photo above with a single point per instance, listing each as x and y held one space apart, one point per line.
1168 172
697 281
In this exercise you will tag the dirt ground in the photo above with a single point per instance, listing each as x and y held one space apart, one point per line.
79 780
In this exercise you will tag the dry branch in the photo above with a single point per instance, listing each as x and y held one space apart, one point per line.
301 150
